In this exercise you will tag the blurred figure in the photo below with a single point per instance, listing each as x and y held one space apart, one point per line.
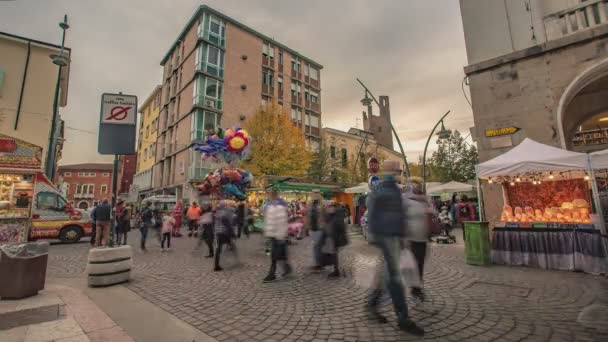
275 229
334 238
167 230
177 215
145 218
193 214
206 224
241 213
157 224
224 229
387 219
419 216
313 224
103 217
93 225
123 223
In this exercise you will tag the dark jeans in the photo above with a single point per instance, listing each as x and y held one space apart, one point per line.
192 227
121 237
166 237
93 233
278 252
207 237
144 235
389 272
419 251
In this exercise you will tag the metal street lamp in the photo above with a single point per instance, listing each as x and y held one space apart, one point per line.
61 60
366 101
442 134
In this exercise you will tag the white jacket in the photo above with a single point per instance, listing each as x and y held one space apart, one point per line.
275 222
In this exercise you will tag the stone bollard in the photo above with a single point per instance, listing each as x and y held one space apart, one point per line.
109 266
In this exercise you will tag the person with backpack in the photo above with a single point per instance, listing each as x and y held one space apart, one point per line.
387 225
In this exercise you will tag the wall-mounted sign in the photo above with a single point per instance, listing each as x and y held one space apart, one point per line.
373 183
496 132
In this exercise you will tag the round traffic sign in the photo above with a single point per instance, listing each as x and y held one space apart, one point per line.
373 182
373 165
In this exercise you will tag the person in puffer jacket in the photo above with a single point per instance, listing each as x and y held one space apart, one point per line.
224 230
275 229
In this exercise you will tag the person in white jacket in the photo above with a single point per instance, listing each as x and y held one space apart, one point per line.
275 229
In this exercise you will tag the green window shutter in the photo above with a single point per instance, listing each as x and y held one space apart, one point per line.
1 77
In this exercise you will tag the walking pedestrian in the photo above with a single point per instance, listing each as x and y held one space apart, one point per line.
275 229
157 224
334 238
93 225
123 224
193 214
103 217
206 223
224 229
387 220
177 215
313 224
419 216
167 230
146 218
241 212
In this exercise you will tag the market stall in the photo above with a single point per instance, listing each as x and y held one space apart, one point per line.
548 220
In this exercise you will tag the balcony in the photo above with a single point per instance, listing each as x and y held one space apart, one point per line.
314 83
296 100
268 61
280 68
586 15
315 106
267 90
197 173
207 102
77 196
295 74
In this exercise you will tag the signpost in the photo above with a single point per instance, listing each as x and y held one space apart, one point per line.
373 182
117 131
496 132
373 165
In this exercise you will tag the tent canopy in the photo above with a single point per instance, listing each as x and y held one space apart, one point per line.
599 159
359 189
532 156
450 187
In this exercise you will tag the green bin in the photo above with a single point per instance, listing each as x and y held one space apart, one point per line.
477 243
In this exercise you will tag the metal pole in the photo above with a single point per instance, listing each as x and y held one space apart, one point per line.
407 168
50 155
424 153
598 204
114 196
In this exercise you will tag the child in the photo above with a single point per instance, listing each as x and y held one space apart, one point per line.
168 226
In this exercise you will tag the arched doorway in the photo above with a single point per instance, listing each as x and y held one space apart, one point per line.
582 113
84 205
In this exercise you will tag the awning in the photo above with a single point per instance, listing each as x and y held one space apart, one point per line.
303 187
450 187
359 189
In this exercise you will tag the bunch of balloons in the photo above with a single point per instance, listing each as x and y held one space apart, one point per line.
229 145
227 183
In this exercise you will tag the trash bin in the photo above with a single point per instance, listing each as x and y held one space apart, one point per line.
477 245
23 269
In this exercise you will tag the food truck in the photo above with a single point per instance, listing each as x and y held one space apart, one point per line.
31 207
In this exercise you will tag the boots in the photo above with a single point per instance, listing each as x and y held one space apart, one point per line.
409 326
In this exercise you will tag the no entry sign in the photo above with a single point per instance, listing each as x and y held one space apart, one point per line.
373 165
117 124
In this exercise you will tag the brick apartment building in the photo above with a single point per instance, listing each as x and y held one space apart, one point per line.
216 74
85 184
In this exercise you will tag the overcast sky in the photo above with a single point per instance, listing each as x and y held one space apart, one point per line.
411 50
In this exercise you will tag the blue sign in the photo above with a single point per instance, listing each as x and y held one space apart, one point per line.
374 183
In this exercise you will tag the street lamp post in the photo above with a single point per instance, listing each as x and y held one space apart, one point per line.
443 133
366 102
61 60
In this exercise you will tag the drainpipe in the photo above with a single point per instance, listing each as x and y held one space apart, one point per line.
27 63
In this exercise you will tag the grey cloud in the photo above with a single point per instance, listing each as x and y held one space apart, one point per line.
411 50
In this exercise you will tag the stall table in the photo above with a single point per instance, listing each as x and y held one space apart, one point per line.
571 247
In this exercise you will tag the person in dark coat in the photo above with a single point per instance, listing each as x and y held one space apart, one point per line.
334 238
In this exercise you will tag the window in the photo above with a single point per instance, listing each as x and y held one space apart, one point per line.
267 50
306 69
281 57
91 174
202 121
280 84
332 151
314 96
147 131
296 89
50 201
104 189
267 78
344 157
67 174
314 121
213 88
294 114
213 55
105 174
145 153
314 74
81 174
150 155
216 27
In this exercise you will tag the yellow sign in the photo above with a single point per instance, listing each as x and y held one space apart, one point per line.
495 132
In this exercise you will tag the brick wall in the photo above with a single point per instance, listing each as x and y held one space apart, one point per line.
74 178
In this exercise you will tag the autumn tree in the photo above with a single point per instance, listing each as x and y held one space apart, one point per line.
324 166
454 159
278 146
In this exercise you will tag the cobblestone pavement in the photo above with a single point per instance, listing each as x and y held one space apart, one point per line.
464 303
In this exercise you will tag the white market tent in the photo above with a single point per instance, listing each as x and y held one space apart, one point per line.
532 156
358 189
450 187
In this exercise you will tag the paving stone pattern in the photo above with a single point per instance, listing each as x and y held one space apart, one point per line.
464 303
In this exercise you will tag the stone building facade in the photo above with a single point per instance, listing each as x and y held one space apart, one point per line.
85 185
552 88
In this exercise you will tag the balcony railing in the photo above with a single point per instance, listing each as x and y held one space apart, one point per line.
267 89
197 173
268 61
280 68
315 106
581 17
78 195
297 100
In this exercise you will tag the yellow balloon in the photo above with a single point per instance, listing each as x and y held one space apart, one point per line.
237 143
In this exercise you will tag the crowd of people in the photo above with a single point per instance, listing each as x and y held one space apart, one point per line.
398 218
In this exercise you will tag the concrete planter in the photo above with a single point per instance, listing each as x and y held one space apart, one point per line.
109 266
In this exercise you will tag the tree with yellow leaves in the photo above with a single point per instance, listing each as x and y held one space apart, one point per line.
278 145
